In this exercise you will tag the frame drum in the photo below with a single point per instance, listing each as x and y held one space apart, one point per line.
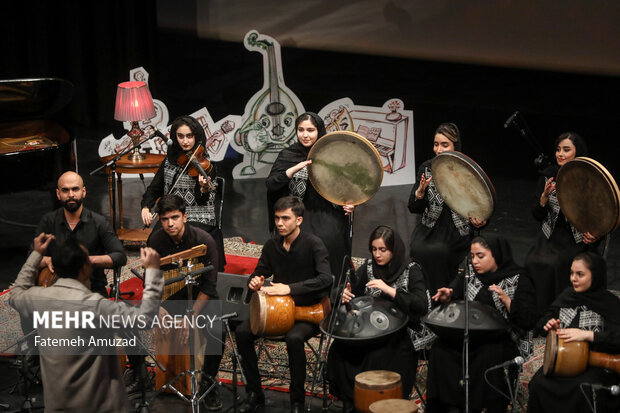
374 385
345 168
463 185
588 196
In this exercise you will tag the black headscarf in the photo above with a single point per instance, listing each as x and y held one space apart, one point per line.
502 253
199 133
390 272
597 298
289 157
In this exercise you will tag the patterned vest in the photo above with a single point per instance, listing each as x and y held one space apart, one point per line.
205 214
435 206
552 216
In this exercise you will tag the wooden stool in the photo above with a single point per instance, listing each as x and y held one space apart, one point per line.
394 405
374 385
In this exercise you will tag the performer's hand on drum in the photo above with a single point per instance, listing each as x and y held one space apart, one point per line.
256 283
277 289
575 334
147 216
419 193
347 295
552 324
381 285
477 223
549 188
503 297
588 238
444 294
296 168
348 209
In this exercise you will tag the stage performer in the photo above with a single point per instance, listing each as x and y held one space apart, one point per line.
198 192
391 276
558 242
92 230
441 238
587 311
85 382
300 268
289 176
175 236
494 282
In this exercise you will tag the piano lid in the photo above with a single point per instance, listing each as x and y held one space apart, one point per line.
23 99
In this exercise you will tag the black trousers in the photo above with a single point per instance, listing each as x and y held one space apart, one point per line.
295 340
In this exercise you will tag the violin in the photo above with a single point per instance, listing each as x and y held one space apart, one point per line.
196 163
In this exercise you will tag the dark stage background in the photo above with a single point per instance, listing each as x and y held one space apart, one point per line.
95 44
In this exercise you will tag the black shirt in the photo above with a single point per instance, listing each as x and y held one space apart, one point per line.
304 268
192 237
93 231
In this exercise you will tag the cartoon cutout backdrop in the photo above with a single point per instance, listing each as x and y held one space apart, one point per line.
268 124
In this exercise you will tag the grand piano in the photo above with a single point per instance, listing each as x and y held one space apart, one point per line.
34 149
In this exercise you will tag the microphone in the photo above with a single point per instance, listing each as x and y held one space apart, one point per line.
511 119
614 390
193 274
518 361
226 316
166 139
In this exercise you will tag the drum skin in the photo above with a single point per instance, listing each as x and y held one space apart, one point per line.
588 196
345 168
393 406
374 385
463 185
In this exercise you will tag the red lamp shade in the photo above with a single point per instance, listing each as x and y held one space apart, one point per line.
133 102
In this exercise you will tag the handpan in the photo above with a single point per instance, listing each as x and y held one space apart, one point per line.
345 168
463 185
588 196
369 319
448 320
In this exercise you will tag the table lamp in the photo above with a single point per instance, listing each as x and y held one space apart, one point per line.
134 103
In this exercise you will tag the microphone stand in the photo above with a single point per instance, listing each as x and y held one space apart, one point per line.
541 159
236 363
467 275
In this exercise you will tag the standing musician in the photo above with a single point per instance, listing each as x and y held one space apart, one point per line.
441 238
289 176
300 266
92 230
175 236
173 177
86 381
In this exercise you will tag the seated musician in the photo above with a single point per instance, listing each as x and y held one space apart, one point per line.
173 177
391 276
174 236
300 267
89 228
84 382
584 312
494 282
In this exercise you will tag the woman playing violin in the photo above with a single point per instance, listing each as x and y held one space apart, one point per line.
175 176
